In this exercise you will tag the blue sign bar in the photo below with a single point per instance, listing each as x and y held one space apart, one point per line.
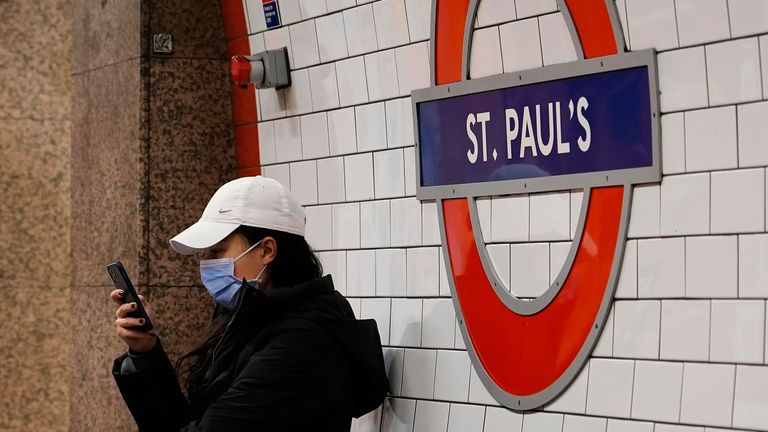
601 122
271 13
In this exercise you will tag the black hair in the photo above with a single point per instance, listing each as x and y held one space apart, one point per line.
295 262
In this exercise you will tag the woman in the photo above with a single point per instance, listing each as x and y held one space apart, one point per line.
283 350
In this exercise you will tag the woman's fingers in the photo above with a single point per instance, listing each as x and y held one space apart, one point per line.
129 322
127 333
125 309
117 296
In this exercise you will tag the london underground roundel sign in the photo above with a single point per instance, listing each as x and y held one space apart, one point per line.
591 124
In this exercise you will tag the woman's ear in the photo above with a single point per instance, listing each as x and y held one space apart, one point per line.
269 250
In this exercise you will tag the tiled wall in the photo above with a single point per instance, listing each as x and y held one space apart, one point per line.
685 346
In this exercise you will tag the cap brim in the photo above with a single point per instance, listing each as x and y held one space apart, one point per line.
201 235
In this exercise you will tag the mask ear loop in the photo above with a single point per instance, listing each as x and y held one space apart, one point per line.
246 251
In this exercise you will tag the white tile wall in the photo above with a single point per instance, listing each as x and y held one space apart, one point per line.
393 364
267 143
529 269
685 330
318 231
763 41
430 226
412 67
627 287
361 30
390 272
733 71
685 204
512 218
325 92
431 416
710 267
486 53
377 309
707 394
419 13
657 389
361 273
583 424
311 8
499 254
710 139
748 17
330 180
737 331
399 123
341 131
314 136
615 425
661 268
502 420
345 219
753 273
358 176
673 143
406 327
381 74
556 43
574 398
438 330
682 79
751 127
700 21
610 387
304 181
400 415
636 327
491 12
519 50
646 213
465 417
331 39
391 23
298 97
751 398
304 44
738 201
421 272
452 376
653 24
540 422
406 218
353 88
371 127
550 216
692 286
527 8
374 224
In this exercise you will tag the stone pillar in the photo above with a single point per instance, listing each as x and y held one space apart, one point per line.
35 125
152 140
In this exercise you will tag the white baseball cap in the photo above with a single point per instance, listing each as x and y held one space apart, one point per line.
253 201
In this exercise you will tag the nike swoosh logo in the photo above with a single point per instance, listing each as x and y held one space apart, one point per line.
224 211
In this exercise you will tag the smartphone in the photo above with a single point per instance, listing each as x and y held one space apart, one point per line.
120 278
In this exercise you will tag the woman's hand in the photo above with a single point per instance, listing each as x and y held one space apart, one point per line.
127 327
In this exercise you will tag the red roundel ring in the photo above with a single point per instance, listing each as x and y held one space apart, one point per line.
527 352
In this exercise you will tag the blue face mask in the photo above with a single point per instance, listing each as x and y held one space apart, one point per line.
218 277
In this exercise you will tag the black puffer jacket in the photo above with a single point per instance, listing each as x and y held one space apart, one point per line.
293 359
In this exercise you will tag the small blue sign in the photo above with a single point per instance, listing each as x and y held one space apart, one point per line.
271 13
591 123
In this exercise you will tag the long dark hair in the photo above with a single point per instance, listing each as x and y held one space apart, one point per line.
295 262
